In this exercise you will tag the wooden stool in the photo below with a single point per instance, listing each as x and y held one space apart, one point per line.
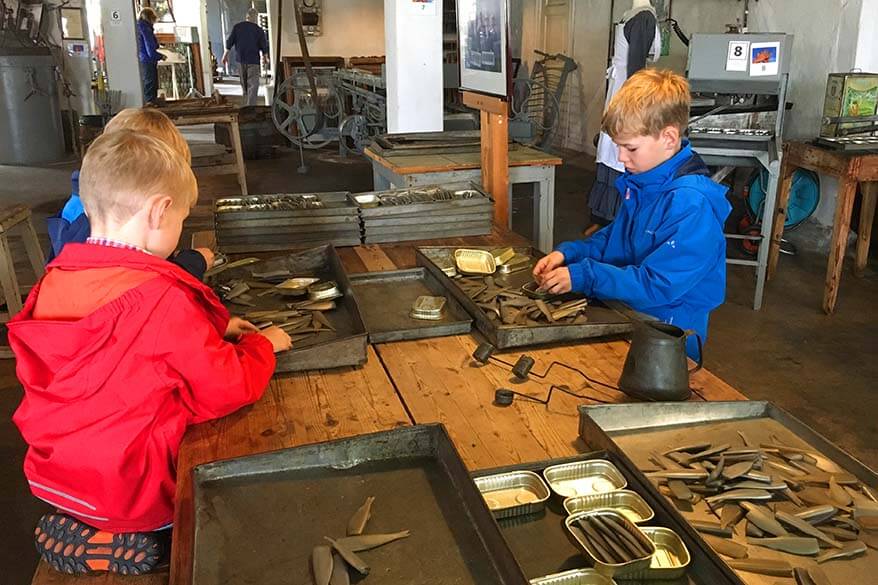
19 218
851 169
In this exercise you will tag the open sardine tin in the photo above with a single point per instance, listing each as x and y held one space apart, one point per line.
514 493
574 577
470 261
612 570
626 502
671 558
517 263
581 478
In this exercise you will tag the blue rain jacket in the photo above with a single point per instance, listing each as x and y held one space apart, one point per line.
665 253
147 44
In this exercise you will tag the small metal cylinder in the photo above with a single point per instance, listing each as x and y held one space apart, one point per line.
523 366
503 397
483 353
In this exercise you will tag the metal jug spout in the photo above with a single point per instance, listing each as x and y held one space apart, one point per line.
656 367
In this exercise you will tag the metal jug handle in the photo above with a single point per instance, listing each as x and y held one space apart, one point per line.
700 363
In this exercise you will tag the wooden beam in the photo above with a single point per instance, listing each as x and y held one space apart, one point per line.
495 150
485 103
864 231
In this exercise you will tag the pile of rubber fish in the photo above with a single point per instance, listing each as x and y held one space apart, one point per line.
330 563
512 306
773 496
299 301
430 195
281 202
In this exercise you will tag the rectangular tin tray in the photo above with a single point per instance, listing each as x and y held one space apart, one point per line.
602 321
336 205
541 545
632 431
346 346
386 298
425 209
257 518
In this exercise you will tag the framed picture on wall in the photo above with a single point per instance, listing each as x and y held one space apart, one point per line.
482 41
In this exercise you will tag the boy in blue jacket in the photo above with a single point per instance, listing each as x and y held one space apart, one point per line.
665 253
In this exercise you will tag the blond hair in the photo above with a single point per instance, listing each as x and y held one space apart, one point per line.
151 122
149 15
650 101
124 168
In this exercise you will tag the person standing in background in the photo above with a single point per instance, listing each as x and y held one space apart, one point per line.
637 37
148 55
248 40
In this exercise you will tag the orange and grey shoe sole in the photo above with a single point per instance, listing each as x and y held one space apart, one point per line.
72 547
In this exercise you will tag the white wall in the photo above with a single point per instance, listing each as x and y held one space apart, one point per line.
867 43
351 28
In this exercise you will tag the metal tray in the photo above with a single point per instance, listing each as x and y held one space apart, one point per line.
584 477
628 569
386 298
425 209
336 203
542 546
574 577
602 320
631 431
484 229
258 517
346 346
515 493
626 502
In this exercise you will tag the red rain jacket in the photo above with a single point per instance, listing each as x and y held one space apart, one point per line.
118 352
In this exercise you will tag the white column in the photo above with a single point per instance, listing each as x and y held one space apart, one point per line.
413 46
120 44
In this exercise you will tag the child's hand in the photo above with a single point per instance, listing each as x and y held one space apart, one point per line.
238 327
557 281
547 264
279 339
208 254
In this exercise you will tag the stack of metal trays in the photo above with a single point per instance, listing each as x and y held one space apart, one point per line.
424 213
264 223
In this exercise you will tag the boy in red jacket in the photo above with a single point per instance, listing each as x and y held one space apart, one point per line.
119 351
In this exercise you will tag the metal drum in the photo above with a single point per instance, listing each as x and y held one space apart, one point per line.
30 114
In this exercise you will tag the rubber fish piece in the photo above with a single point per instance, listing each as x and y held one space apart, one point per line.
816 514
321 564
817 576
739 495
726 547
709 452
711 528
358 521
763 567
363 542
851 549
339 575
796 545
350 557
806 528
764 519
838 494
737 470
731 515
680 490
692 448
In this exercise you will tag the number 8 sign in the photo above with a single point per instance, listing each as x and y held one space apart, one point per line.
738 57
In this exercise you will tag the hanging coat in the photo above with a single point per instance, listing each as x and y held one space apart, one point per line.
625 63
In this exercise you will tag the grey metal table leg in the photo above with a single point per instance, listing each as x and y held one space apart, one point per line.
767 217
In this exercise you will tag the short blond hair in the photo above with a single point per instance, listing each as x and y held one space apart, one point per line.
123 168
650 101
149 14
151 122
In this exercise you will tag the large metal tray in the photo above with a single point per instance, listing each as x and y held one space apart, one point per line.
602 321
386 298
346 346
632 431
542 546
257 518
426 209
336 204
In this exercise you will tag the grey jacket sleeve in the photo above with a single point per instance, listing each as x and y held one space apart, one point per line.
640 33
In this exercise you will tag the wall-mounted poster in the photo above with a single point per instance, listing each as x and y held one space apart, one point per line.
481 27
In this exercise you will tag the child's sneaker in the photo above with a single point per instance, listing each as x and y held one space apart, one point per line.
72 547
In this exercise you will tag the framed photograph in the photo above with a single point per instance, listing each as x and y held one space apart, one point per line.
482 41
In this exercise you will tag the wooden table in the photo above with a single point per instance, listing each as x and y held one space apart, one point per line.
402 383
224 114
526 165
851 169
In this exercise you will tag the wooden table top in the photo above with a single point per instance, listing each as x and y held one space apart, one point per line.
409 164
402 383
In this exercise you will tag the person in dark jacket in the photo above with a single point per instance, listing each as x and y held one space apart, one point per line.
249 40
664 253
148 54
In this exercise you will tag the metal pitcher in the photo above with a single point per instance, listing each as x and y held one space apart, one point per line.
656 367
